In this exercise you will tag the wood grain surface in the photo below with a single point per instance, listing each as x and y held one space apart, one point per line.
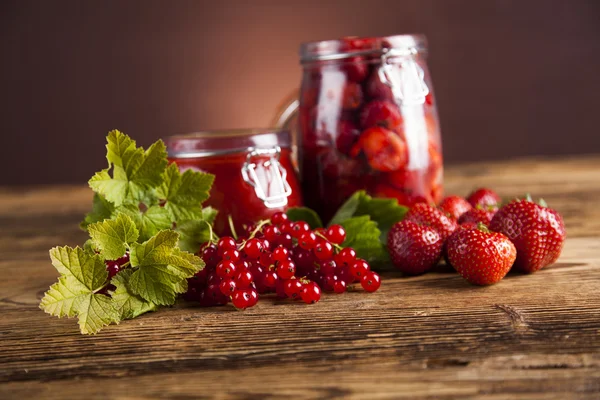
431 336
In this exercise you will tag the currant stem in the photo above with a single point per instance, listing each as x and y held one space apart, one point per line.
255 231
231 226
335 246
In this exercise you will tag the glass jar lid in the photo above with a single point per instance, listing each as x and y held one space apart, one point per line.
328 50
212 143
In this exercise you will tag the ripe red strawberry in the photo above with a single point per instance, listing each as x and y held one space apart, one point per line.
414 248
480 256
455 206
484 197
537 232
478 214
424 214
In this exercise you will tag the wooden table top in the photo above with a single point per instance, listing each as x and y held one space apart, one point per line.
430 336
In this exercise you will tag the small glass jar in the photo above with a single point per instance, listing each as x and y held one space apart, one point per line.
254 173
367 120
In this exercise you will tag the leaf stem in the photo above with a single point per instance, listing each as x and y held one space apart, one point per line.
231 227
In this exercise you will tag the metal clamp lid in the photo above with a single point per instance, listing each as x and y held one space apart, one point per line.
268 178
404 77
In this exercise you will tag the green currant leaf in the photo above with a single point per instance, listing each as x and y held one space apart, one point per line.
348 209
101 210
209 214
305 214
193 234
113 236
127 304
83 274
363 236
161 268
185 193
149 222
135 173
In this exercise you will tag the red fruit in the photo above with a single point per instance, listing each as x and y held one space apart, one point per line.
227 287
279 218
323 250
424 214
376 89
359 268
370 282
253 248
380 113
484 197
292 288
480 256
414 249
352 96
311 293
336 234
347 135
537 232
455 206
385 151
478 215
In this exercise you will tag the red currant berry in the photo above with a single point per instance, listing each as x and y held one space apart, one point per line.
241 299
271 233
213 279
339 286
279 218
270 279
280 254
346 256
210 256
330 281
287 227
307 240
266 259
299 228
280 289
311 293
370 281
231 255
243 279
323 250
336 234
345 275
225 269
227 287
266 245
253 297
199 279
292 288
327 267
303 258
253 248
359 268
226 243
286 269
214 296
286 240
242 266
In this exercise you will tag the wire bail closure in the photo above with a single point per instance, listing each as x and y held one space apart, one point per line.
268 178
406 80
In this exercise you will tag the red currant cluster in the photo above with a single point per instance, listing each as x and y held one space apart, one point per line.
279 256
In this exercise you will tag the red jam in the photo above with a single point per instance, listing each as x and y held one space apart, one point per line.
254 174
368 120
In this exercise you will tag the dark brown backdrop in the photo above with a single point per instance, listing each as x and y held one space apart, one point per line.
512 78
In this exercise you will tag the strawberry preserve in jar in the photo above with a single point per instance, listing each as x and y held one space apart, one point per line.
367 120
254 173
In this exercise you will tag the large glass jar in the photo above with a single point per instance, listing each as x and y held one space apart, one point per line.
367 120
254 173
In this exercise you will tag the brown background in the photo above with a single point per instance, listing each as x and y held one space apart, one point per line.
512 78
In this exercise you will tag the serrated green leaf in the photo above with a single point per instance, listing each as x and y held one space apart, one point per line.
363 236
88 269
83 274
185 193
135 173
101 210
127 304
62 298
209 214
148 222
193 234
161 268
305 214
113 236
95 312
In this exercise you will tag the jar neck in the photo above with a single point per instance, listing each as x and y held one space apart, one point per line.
208 144
350 48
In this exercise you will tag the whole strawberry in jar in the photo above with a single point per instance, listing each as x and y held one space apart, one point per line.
367 120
